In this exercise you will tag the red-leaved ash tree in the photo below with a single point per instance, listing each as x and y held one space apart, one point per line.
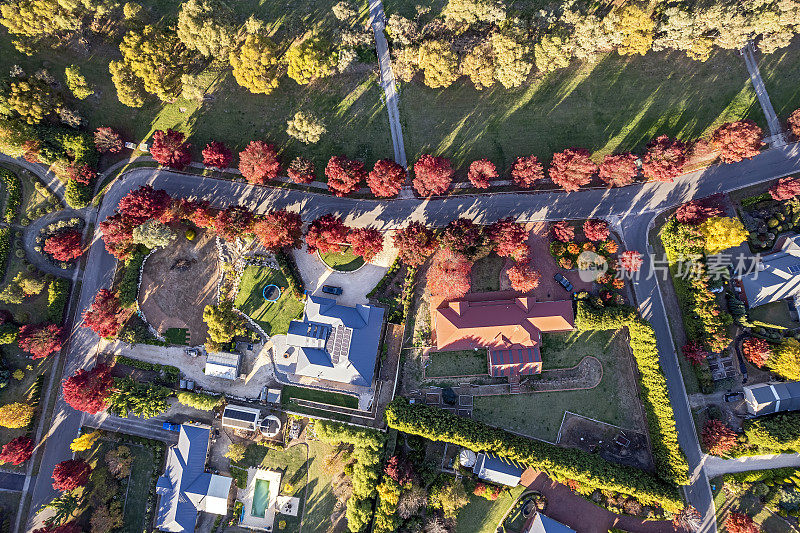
464 237
596 230
81 172
794 123
740 523
630 260
70 474
664 159
432 175
562 231
694 352
107 140
718 438
786 188
170 150
414 243
232 222
117 231
301 170
88 390
696 212
217 155
757 351
366 242
145 203
105 316
481 173
448 276
509 239
64 245
40 340
326 234
17 451
344 175
386 178
259 163
527 171
738 140
523 277
279 229
572 168
618 170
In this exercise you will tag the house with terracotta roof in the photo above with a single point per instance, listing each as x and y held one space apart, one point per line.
507 325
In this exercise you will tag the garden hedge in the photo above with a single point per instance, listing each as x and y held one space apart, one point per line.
290 272
5 248
128 288
57 296
197 400
561 464
774 434
13 192
755 476
669 458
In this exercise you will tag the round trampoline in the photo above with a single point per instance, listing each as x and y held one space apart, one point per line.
271 293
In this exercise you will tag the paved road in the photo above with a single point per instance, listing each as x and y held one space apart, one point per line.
11 481
377 19
716 466
773 123
633 206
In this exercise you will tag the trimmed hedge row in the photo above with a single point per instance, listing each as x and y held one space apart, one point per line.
14 193
669 458
198 400
755 476
778 433
171 373
5 249
57 296
290 272
561 464
128 288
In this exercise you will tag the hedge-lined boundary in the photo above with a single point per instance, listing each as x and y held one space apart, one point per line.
57 296
5 249
171 373
291 273
762 475
669 458
561 464
13 192
779 433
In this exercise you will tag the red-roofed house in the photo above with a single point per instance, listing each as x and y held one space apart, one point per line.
509 326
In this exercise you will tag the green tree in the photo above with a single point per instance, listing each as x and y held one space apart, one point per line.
255 65
449 496
479 66
130 89
203 402
635 28
552 52
511 65
305 127
203 26
76 82
439 63
153 234
468 12
63 507
235 452
223 323
32 99
310 59
34 18
157 57
16 415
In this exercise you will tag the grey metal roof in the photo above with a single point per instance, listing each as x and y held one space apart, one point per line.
777 277
768 398
545 524
498 469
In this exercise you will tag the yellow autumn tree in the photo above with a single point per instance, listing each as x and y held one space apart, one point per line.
636 31
16 415
84 442
722 233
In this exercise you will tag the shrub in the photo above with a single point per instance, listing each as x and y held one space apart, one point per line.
718 438
757 351
774 434
203 402
77 195
13 192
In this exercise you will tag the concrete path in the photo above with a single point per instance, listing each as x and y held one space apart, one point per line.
716 466
776 138
378 21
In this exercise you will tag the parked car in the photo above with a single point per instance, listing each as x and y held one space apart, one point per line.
330 289
169 426
564 282
734 396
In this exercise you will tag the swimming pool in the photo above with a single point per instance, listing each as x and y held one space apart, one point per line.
260 498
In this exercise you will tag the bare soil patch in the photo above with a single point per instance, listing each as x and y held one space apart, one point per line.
178 282
616 444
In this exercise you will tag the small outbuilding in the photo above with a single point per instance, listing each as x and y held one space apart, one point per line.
223 365
241 417
495 469
768 398
270 426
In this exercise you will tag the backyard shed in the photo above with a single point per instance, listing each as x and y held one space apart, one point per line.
222 365
768 398
496 469
240 417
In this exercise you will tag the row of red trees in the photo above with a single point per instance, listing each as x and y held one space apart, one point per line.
663 160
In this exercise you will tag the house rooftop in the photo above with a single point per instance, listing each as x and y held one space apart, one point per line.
777 275
496 469
768 398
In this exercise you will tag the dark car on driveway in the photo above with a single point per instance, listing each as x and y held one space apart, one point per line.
330 289
564 282
734 396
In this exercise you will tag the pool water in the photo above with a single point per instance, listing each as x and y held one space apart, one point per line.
260 498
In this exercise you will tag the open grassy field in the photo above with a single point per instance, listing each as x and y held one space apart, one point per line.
274 317
565 350
613 401
617 104
781 74
319 499
457 363
482 516
350 105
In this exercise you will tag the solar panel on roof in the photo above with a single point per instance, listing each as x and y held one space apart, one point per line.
239 415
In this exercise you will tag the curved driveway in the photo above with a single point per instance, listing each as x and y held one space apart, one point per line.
631 209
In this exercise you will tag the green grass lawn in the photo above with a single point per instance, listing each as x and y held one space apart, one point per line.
617 104
613 401
482 516
274 317
345 261
486 273
457 363
9 504
293 463
747 503
781 74
565 350
320 499
177 336
331 398
138 488
776 313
